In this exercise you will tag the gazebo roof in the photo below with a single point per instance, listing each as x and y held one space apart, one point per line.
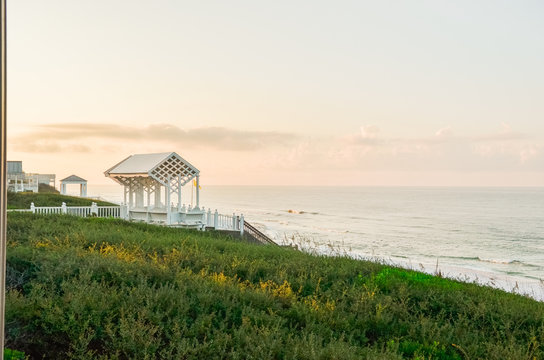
73 178
157 166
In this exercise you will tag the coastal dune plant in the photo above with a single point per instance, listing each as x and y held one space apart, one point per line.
92 288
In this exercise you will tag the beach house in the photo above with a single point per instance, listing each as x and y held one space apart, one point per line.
19 181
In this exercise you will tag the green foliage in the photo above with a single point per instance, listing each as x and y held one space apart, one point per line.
22 200
91 288
45 188
13 355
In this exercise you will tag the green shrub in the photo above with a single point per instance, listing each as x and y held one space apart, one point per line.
22 200
91 288
13 355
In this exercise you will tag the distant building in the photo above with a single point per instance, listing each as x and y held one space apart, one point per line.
73 179
19 181
15 167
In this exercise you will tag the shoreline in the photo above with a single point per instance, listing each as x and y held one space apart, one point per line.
282 225
532 288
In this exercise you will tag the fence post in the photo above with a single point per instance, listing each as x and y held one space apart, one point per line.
209 218
94 209
242 225
123 211
32 207
233 221
63 208
215 219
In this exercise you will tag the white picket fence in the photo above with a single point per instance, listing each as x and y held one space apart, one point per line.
83 211
191 217
208 219
109 211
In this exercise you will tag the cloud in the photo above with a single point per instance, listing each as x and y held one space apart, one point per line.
50 147
500 150
62 137
369 132
367 137
504 134
364 151
446 132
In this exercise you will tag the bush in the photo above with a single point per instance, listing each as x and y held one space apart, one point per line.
22 200
91 288
13 355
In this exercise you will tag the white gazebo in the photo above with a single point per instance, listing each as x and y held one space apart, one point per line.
152 182
73 179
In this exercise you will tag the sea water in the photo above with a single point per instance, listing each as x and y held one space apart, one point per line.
491 235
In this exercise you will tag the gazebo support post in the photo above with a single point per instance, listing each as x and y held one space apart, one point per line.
197 192
157 195
148 191
139 196
168 207
179 193
130 203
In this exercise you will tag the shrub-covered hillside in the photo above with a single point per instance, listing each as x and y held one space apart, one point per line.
90 288
22 200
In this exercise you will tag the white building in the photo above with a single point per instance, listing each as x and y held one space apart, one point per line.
71 180
19 181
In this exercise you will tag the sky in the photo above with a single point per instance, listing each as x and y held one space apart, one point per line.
344 93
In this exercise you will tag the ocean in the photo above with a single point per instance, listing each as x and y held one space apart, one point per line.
491 235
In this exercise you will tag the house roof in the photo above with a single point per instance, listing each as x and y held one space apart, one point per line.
73 178
158 166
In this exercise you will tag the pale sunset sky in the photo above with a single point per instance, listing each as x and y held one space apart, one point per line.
446 93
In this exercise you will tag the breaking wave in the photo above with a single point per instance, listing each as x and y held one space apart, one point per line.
493 261
300 212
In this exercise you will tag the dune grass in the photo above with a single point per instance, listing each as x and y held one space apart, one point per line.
22 200
91 288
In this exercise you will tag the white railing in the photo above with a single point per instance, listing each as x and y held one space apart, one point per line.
109 211
224 222
207 219
46 210
82 211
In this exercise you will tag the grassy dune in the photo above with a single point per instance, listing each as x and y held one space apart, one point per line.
22 200
108 289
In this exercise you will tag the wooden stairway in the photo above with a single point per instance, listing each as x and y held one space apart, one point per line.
252 234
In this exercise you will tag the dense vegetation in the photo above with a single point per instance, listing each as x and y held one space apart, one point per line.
45 188
22 200
91 288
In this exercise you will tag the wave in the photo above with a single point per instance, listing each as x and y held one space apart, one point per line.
300 212
493 261
497 261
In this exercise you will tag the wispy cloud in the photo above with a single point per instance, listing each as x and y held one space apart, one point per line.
444 149
62 137
369 149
